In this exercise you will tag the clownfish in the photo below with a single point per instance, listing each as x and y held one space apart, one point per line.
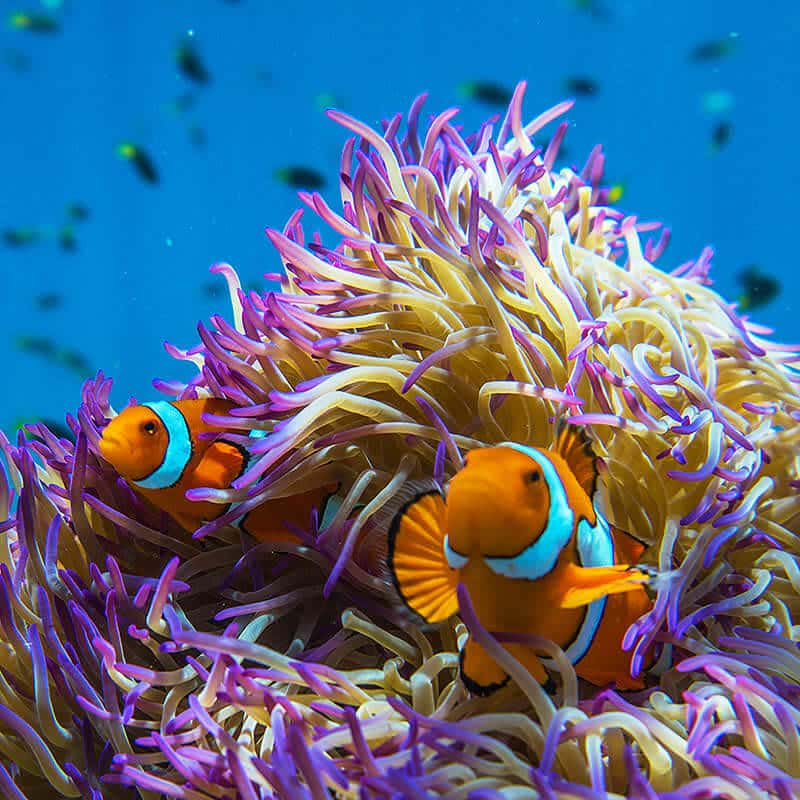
518 526
159 451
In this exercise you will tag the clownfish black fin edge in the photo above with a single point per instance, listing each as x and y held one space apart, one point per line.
417 526
473 687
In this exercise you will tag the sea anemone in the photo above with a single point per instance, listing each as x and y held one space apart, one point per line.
478 293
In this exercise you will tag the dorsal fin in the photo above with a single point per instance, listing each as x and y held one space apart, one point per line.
575 447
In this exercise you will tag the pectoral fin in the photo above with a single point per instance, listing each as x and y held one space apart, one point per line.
584 585
220 465
417 560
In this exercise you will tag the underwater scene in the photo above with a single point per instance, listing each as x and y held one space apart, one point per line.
406 401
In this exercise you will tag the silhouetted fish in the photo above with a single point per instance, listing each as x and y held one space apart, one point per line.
493 94
16 60
300 177
759 287
78 212
190 63
592 8
141 161
713 50
60 429
75 361
34 22
39 345
721 135
48 301
581 85
67 240
21 237
197 135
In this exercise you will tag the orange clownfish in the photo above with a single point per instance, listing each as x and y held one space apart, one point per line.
157 448
518 526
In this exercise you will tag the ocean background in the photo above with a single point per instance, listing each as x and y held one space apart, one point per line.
139 274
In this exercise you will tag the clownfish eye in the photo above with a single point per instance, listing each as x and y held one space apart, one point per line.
533 476
149 428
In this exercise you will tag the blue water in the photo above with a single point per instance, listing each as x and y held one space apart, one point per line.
137 278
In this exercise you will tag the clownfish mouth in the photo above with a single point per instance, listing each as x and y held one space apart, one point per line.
108 439
122 455
111 447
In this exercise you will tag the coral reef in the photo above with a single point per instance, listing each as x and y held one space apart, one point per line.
477 293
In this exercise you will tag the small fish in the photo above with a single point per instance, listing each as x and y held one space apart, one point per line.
60 429
759 288
67 240
213 289
326 100
48 301
183 102
197 135
615 192
161 450
518 526
16 60
300 177
21 237
190 63
144 165
593 8
77 212
720 135
713 50
40 345
488 92
75 361
581 85
34 22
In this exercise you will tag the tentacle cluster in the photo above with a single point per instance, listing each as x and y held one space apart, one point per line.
477 293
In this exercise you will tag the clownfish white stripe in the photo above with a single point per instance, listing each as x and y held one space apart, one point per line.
595 549
540 556
177 452
595 545
328 510
454 559
254 434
